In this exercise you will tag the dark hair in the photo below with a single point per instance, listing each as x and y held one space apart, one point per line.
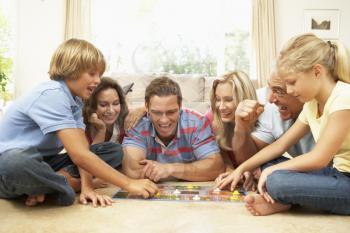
163 86
91 104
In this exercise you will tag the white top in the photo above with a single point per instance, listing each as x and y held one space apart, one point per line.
270 127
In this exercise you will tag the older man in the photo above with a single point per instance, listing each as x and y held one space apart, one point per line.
277 118
170 141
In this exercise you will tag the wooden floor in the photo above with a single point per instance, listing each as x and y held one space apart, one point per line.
163 217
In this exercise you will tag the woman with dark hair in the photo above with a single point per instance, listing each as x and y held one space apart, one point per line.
105 112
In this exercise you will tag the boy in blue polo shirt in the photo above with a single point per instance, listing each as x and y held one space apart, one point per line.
40 124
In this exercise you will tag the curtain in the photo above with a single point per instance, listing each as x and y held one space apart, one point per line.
264 39
78 19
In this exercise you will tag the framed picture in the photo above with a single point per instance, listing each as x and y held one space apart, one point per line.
322 22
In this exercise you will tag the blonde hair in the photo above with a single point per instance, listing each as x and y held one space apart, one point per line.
243 88
74 57
302 52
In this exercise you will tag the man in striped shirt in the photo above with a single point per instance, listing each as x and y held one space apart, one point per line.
170 141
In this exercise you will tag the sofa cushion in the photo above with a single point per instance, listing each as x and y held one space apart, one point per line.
140 82
192 86
207 88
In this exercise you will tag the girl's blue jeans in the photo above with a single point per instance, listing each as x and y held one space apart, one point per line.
326 189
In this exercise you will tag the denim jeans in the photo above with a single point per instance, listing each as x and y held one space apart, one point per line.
27 172
326 189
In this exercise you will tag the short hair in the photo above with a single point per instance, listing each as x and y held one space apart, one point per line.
302 52
91 104
163 86
242 88
74 57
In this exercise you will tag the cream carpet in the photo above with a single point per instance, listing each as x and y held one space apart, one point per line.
161 216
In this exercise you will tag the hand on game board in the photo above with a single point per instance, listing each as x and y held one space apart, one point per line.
144 188
91 195
154 170
222 176
233 178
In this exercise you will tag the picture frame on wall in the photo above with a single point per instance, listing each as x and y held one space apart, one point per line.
324 23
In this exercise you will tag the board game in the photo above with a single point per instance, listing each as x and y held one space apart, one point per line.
168 192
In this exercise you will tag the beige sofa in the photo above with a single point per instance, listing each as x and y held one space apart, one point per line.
195 88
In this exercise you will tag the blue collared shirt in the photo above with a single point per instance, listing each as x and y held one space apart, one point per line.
34 119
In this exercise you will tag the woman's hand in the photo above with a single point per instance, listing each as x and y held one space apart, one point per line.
225 179
134 117
97 122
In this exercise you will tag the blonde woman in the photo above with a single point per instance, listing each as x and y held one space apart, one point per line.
228 112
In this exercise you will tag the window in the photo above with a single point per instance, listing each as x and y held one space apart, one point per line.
6 50
182 36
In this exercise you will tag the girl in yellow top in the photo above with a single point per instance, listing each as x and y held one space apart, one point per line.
317 73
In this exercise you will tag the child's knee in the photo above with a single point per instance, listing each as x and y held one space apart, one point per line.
14 164
277 183
67 198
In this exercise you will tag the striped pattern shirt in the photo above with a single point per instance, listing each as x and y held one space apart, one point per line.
193 141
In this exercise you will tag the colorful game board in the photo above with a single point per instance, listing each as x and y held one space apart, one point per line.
168 192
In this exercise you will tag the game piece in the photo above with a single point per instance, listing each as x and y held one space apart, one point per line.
176 192
235 193
169 192
217 190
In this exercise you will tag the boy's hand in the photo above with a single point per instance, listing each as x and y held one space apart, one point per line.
95 198
143 187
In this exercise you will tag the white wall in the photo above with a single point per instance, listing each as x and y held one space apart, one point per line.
39 30
290 18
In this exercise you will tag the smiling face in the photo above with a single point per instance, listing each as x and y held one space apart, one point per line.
225 102
108 106
289 106
84 85
164 112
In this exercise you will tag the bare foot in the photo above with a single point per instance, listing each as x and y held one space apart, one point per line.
98 183
73 182
257 205
35 199
76 184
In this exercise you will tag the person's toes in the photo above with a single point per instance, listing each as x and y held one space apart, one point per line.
31 201
40 198
249 200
